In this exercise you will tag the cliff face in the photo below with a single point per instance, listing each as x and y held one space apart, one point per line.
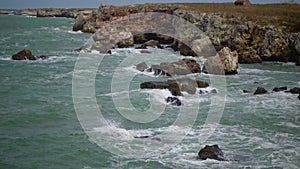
254 43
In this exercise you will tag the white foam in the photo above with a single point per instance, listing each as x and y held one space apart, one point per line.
74 32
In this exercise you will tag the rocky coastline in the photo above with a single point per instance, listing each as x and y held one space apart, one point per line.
55 12
254 43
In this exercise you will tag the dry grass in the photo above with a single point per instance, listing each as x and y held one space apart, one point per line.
285 15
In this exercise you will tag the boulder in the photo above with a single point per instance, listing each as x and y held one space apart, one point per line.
181 67
24 55
203 47
80 20
211 152
260 90
202 84
185 50
141 66
298 61
151 43
175 86
295 90
174 101
225 62
125 40
171 85
158 71
299 97
89 27
193 66
249 55
279 89
189 85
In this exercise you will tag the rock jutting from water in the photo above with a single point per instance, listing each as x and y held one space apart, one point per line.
26 54
174 101
295 90
211 152
225 62
260 90
176 87
279 89
181 67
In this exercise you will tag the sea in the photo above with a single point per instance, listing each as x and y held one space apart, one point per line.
86 110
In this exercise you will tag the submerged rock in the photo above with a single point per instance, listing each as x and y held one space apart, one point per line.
260 90
279 89
246 91
211 152
174 101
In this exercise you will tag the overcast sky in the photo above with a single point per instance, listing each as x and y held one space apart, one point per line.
21 4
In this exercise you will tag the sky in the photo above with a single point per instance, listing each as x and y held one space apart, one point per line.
22 4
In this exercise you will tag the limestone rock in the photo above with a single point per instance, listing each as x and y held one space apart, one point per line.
141 66
249 55
203 47
125 40
225 62
181 67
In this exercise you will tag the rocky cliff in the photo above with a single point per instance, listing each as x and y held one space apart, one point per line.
253 42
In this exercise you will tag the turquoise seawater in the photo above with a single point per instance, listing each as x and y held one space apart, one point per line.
39 127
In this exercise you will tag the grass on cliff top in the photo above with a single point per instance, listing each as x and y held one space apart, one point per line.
285 15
